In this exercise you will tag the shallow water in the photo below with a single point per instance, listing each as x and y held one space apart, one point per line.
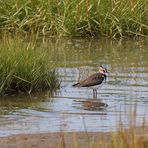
125 90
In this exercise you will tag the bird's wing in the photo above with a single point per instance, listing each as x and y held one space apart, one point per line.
92 80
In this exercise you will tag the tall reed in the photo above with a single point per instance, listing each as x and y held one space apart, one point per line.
114 18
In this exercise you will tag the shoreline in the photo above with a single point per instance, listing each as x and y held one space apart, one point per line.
69 139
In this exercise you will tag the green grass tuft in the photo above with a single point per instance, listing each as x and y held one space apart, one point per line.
23 68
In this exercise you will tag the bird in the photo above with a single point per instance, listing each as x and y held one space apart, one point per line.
93 81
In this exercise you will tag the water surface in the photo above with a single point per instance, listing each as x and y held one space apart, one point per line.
125 90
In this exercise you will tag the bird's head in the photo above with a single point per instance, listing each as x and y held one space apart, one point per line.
102 70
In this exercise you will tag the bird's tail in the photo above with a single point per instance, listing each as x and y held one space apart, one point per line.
75 85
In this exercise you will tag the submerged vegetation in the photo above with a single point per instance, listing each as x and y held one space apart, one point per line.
75 17
24 68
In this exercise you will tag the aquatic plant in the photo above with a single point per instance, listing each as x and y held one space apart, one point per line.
24 68
75 18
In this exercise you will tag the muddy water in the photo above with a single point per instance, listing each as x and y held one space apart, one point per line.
124 95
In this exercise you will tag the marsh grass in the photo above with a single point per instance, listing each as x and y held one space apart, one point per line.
125 138
25 68
114 18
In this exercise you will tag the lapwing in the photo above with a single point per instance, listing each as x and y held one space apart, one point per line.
94 80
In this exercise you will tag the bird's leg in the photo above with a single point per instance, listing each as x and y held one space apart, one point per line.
96 93
93 93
